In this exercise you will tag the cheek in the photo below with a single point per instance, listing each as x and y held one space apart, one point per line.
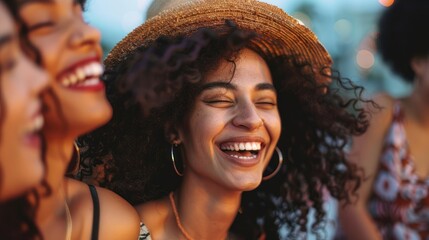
196 131
15 99
49 51
273 124
208 124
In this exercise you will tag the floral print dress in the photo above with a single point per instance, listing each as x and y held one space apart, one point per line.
399 203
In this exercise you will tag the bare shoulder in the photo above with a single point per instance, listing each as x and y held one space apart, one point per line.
366 149
385 103
380 116
154 215
380 119
118 219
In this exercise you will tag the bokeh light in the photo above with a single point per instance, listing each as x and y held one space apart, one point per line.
365 59
344 29
386 3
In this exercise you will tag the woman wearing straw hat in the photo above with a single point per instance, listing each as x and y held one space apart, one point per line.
223 124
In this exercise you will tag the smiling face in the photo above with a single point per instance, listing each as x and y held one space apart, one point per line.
21 83
71 53
234 127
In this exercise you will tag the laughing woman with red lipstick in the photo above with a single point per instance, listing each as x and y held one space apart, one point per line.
75 104
225 129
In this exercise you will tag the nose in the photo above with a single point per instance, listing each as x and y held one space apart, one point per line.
247 117
84 34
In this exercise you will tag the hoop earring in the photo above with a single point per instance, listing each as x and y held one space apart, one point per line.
279 152
74 164
173 159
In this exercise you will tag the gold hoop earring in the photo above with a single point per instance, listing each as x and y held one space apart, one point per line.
74 164
173 159
278 166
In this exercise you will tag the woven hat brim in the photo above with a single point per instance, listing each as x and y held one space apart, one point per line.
282 34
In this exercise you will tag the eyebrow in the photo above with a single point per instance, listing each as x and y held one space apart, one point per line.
221 84
265 86
231 86
24 2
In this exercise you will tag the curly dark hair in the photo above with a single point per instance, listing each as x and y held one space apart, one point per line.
403 35
159 84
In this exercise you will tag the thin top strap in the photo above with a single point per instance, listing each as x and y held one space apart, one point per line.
96 213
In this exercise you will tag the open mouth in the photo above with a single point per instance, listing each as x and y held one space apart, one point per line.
83 75
33 130
242 150
35 126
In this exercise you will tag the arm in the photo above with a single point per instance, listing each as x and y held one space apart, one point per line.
365 153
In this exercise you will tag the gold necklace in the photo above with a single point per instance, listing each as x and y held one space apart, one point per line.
176 216
69 223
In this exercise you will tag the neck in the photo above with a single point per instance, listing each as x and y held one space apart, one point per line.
58 155
418 104
217 210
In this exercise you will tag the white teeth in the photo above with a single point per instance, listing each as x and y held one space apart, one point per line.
97 68
245 157
91 82
236 147
248 146
36 124
88 70
73 79
243 146
83 74
80 74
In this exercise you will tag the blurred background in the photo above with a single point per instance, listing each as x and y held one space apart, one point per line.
347 28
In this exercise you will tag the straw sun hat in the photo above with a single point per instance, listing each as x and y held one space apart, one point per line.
280 33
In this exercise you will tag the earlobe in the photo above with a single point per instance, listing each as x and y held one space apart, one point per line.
171 133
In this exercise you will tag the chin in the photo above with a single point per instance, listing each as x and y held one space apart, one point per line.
103 117
19 184
97 119
249 185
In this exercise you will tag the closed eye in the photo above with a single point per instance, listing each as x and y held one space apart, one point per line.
268 105
221 103
40 26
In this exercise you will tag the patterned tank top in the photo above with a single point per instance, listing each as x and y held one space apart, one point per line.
144 233
399 203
